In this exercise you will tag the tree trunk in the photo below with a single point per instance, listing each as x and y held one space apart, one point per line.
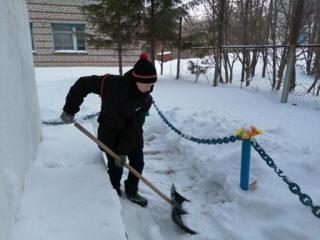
161 66
226 59
231 65
282 66
316 71
217 56
243 68
265 62
255 56
231 71
273 37
152 33
179 49
247 61
274 67
217 74
313 86
296 21
309 59
225 66
245 72
120 58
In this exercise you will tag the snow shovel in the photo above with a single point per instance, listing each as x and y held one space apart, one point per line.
176 199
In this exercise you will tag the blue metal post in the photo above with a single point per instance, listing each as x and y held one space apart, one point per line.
245 164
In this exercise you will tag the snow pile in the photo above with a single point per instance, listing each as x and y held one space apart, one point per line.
67 192
19 118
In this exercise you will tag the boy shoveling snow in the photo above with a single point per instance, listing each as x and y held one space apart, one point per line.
125 101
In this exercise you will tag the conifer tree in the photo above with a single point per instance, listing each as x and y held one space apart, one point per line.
115 23
161 22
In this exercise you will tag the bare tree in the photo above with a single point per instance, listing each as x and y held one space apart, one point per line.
316 64
295 25
220 37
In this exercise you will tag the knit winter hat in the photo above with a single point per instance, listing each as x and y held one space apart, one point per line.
144 71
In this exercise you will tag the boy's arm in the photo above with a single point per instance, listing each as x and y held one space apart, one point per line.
82 87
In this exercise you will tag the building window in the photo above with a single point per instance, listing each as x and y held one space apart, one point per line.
31 31
68 36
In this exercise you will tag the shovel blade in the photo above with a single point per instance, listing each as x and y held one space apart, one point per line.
177 210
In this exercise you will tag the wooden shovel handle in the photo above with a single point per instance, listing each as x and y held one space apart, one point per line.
115 156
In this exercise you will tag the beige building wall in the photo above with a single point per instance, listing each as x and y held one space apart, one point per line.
43 13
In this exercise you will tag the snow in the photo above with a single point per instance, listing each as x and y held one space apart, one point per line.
67 194
19 118
206 174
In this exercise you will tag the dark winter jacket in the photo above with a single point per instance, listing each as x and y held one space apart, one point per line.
123 107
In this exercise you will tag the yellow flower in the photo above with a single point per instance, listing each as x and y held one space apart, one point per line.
248 132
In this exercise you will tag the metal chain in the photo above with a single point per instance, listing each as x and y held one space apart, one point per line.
209 141
293 187
59 122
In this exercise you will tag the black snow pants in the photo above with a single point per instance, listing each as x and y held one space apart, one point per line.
135 156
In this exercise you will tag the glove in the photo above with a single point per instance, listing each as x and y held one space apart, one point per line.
67 118
120 162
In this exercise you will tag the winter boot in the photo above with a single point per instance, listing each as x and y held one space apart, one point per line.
138 199
132 194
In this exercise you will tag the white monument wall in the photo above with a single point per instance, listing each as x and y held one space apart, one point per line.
19 108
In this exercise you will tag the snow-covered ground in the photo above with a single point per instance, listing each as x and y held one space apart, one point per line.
206 174
67 194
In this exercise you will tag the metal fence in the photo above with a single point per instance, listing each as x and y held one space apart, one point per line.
260 67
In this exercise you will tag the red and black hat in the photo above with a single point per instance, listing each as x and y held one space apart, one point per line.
144 71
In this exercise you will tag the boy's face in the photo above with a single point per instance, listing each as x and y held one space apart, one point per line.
144 87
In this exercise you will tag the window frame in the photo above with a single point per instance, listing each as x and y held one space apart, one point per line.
73 32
